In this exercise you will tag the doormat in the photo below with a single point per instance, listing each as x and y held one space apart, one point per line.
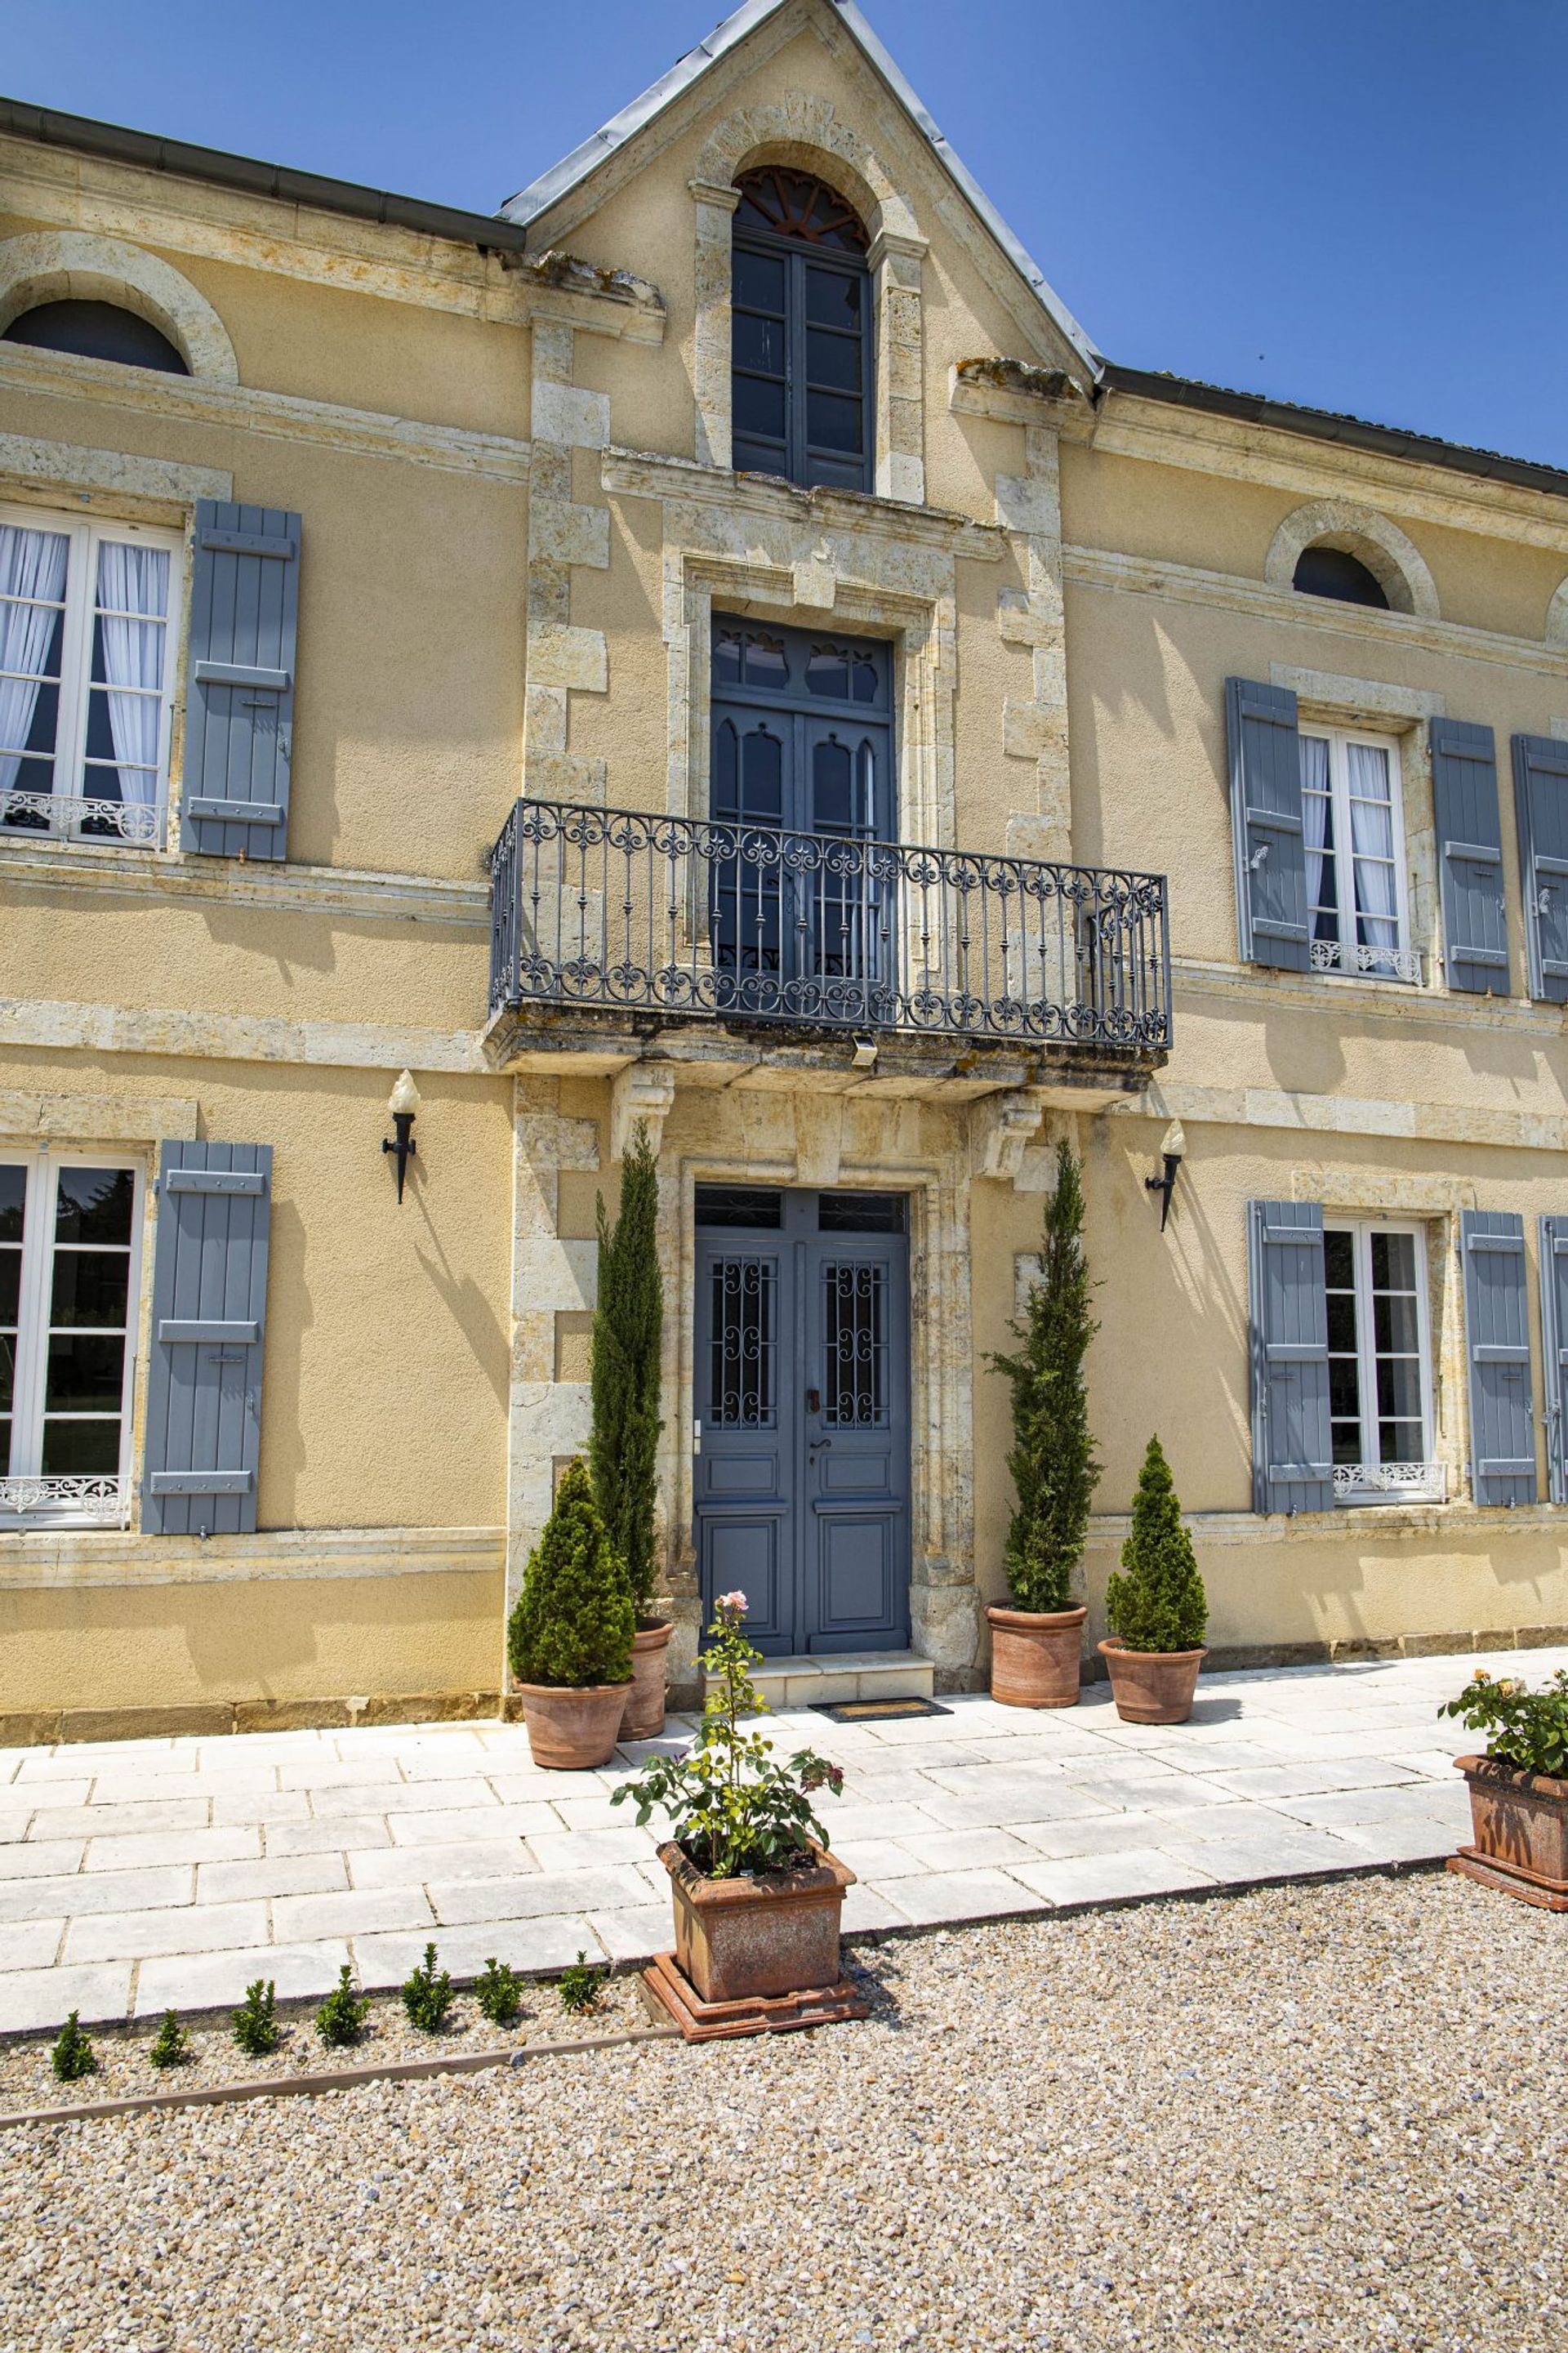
875 1711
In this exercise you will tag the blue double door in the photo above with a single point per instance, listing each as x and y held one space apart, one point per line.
801 1418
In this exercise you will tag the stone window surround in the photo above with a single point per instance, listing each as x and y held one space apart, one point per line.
941 1545
1433 1203
922 630
68 265
1327 698
109 484
807 134
1389 554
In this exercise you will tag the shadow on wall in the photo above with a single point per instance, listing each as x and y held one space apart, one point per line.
1172 1311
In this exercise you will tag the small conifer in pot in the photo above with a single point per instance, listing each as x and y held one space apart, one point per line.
569 1639
1037 1639
1156 1605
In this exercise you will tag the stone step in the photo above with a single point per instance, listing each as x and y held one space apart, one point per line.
804 1681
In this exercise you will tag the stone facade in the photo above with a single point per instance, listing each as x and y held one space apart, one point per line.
511 443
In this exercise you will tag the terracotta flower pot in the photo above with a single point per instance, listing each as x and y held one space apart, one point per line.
1036 1656
572 1728
644 1718
739 1938
1151 1686
1520 1832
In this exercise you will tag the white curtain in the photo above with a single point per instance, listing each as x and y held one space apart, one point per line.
133 581
1318 832
1372 844
32 572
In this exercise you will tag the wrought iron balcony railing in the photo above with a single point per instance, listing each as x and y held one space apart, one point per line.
681 917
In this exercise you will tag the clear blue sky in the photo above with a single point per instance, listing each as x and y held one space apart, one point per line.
1357 204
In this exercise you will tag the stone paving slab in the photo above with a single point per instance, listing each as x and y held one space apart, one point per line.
136 1874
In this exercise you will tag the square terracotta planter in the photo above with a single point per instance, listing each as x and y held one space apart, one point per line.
1520 1822
741 1939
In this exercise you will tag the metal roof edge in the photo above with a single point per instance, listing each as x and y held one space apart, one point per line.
1336 426
543 194
183 160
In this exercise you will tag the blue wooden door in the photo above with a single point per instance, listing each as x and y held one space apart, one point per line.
801 906
800 1405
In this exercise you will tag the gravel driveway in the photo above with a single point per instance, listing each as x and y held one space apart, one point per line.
1313 2116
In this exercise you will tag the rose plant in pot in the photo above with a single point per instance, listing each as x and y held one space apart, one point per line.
757 1896
1519 1788
1157 1609
1036 1638
569 1638
623 1449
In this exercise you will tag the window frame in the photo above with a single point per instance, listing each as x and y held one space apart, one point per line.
34 1327
799 453
86 535
1403 964
1421 1482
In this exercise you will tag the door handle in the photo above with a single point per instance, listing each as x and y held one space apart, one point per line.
815 1442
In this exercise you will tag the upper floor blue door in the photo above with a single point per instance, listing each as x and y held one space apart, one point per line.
802 1463
801 910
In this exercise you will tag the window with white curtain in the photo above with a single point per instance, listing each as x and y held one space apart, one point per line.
86 676
1355 855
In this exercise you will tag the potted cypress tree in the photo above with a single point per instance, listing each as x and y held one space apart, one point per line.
569 1639
1036 1640
1158 1610
623 1448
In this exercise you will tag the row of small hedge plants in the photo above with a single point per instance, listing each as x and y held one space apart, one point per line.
427 1992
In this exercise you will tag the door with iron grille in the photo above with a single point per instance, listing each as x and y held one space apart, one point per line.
800 1436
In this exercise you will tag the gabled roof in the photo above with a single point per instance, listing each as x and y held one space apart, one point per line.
542 194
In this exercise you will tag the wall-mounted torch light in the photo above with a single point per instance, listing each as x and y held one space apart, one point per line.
402 1103
1173 1148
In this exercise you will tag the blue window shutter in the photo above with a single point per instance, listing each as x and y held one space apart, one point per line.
1470 858
1266 825
240 714
1541 809
209 1320
1292 1444
1497 1339
1554 1349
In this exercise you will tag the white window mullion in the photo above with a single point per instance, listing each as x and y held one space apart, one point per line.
76 661
26 1427
1366 1346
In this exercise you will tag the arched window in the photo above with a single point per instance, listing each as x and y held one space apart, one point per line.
801 385
97 331
1335 571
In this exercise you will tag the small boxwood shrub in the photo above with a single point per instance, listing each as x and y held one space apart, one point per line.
580 1985
344 2012
573 1622
427 1994
1160 1603
73 2056
171 2047
498 1993
255 2028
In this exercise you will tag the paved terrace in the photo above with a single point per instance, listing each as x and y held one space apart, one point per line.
139 1873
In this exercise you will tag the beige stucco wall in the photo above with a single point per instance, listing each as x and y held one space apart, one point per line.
506 584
